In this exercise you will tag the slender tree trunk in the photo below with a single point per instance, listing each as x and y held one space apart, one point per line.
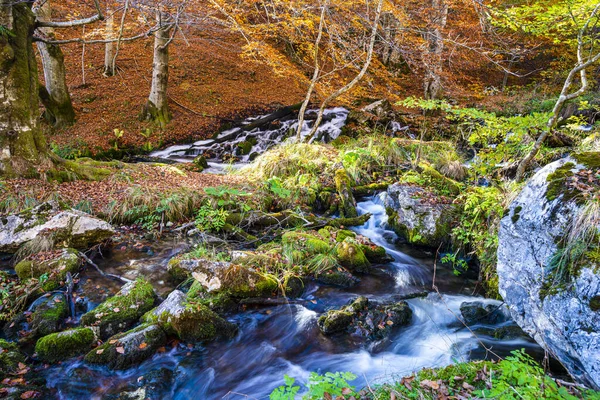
109 52
23 149
390 27
55 95
315 77
157 107
356 79
435 47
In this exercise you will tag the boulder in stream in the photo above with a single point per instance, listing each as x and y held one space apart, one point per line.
61 346
123 310
189 321
130 348
53 264
559 310
65 228
365 319
415 216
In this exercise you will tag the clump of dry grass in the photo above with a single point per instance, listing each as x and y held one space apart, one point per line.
451 165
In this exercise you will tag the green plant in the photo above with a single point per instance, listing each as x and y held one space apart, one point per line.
6 33
330 385
147 146
118 134
211 219
276 186
459 265
228 198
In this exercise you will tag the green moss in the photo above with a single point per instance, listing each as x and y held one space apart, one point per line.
515 217
64 345
123 310
200 163
342 234
306 243
10 357
335 321
442 183
196 323
245 147
48 316
179 274
557 183
589 159
375 254
347 206
57 269
351 256
220 302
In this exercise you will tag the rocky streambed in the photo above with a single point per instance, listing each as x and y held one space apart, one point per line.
156 338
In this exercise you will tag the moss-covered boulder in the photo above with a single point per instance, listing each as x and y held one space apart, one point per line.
365 319
477 312
351 256
49 315
61 346
418 216
129 348
69 228
189 321
376 254
238 281
54 265
305 244
10 357
244 148
200 163
337 277
123 310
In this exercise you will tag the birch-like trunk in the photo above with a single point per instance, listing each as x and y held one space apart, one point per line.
55 95
109 47
373 38
157 107
23 149
432 56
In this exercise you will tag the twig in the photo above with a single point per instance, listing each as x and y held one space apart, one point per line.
104 274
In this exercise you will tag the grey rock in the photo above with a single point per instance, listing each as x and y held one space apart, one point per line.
564 323
72 228
417 220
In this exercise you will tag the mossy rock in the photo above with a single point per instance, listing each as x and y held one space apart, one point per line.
189 321
351 256
10 357
335 321
49 316
440 181
200 163
64 345
306 244
238 281
177 271
123 310
244 148
218 302
376 254
342 279
130 348
342 234
57 268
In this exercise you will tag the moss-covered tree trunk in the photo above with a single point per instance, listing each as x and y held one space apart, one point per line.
23 149
157 107
55 95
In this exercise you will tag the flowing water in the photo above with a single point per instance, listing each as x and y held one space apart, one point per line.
262 138
285 339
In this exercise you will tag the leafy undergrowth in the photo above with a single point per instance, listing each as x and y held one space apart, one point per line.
515 377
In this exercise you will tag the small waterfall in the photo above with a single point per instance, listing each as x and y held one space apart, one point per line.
241 145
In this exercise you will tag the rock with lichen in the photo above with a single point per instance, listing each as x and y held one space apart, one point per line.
122 311
53 266
61 346
129 348
365 319
63 228
190 321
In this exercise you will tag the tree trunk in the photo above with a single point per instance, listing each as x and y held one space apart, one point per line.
109 53
432 59
157 107
389 50
23 150
55 96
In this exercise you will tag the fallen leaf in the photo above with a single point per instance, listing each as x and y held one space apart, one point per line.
143 345
116 309
120 350
99 351
466 386
430 384
30 394
113 341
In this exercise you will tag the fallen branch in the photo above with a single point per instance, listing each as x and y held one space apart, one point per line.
104 274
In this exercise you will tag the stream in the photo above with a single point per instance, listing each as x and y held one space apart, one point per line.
285 339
